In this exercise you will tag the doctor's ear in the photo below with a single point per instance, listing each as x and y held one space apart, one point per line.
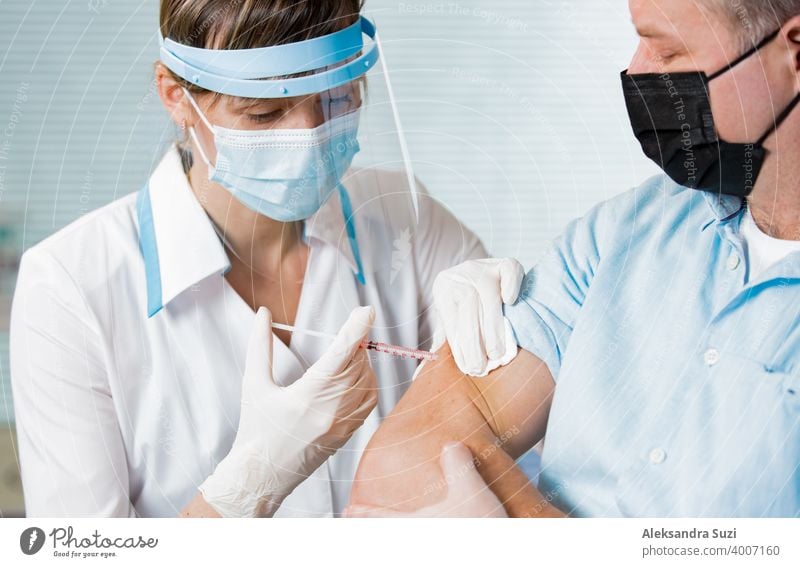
173 98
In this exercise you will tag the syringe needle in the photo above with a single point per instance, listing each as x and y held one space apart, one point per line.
393 350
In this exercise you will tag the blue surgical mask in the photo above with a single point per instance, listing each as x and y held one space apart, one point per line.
287 174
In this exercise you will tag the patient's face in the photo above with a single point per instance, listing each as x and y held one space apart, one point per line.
695 35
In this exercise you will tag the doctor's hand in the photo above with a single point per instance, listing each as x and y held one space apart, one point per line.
468 300
285 434
468 496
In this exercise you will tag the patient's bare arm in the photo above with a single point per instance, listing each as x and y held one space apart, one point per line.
498 418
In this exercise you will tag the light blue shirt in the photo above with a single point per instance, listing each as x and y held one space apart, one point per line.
677 379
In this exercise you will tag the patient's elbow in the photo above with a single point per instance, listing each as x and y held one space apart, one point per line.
400 467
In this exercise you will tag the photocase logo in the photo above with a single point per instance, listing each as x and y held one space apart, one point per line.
67 543
31 540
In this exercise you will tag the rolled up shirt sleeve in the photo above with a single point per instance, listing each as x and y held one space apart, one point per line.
554 290
72 457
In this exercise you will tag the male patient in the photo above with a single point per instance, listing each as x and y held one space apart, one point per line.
660 337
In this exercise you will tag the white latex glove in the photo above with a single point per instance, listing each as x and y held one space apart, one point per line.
468 300
285 434
468 496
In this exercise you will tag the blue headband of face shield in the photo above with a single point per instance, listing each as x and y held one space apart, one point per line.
242 72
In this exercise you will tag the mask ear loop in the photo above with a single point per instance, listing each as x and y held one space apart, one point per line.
746 55
779 120
192 131
788 110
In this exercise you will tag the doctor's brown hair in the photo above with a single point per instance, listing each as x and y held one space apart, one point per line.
247 24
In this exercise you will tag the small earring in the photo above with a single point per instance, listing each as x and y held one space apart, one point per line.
183 126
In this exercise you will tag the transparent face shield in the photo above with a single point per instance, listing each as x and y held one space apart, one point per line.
320 131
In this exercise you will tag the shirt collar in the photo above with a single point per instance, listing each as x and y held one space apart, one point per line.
179 244
723 207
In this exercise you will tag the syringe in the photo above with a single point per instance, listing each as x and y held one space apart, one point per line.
367 344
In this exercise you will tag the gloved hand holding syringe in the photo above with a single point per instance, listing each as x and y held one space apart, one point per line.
367 344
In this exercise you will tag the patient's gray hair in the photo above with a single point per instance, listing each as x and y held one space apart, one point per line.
755 19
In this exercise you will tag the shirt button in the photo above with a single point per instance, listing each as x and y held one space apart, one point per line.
734 261
658 456
711 356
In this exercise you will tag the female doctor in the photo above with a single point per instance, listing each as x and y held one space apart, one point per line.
147 377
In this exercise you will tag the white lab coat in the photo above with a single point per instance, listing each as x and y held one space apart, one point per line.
123 414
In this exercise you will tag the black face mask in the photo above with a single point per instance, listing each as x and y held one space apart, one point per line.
671 117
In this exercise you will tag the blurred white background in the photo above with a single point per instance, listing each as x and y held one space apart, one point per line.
513 112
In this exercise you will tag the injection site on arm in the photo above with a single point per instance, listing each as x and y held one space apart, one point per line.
498 418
